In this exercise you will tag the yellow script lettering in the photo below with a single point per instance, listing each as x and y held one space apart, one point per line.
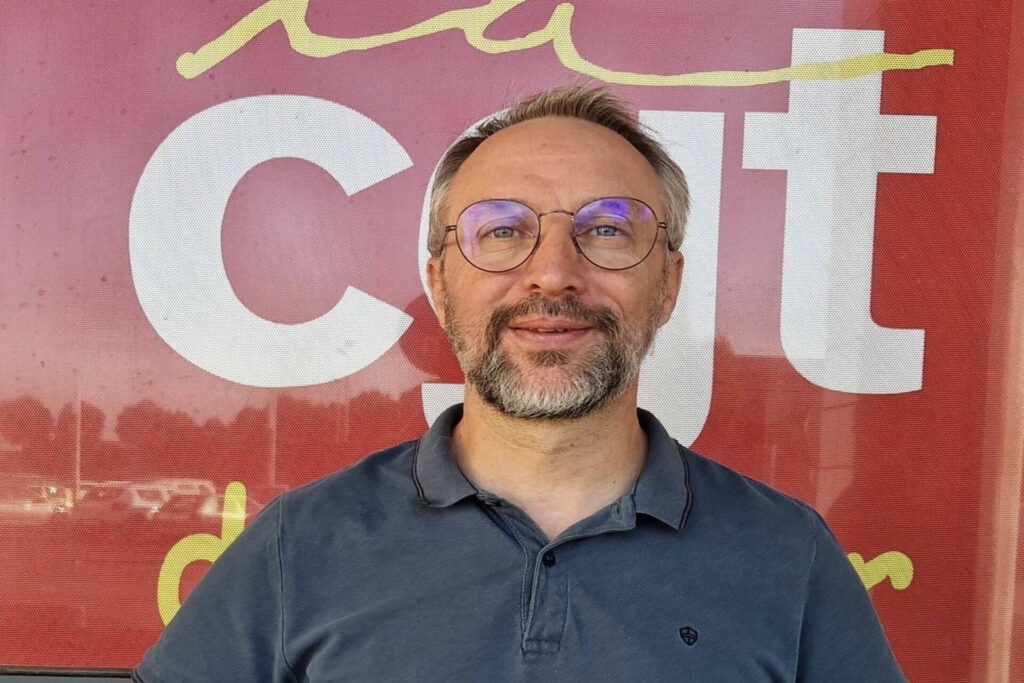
892 565
474 21
199 548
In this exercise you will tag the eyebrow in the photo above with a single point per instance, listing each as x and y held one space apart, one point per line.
531 206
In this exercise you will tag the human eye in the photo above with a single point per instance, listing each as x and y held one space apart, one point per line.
501 232
605 228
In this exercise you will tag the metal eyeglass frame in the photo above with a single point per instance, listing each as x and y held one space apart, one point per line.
572 214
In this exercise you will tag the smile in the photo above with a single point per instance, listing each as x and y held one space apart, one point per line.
548 325
548 332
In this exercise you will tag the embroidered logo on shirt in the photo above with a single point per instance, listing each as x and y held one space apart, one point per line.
688 634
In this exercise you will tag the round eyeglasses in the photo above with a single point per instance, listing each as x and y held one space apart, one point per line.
614 233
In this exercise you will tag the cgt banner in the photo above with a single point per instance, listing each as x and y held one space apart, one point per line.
212 239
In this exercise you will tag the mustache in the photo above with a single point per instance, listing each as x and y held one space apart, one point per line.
569 307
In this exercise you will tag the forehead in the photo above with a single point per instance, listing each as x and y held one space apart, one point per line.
554 162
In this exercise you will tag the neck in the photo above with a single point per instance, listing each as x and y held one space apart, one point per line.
557 471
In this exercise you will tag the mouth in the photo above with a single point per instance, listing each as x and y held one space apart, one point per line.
547 324
548 332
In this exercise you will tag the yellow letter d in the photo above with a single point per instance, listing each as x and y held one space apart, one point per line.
198 548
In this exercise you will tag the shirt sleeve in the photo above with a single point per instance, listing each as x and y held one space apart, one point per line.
230 627
841 638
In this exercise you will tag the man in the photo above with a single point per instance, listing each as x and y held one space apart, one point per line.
546 529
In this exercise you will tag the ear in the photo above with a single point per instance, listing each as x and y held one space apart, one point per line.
435 281
673 281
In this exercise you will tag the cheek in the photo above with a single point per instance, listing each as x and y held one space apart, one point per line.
633 298
474 292
470 305
645 306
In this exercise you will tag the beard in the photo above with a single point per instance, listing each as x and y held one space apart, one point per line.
601 374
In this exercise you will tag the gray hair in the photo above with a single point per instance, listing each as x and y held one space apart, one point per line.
594 104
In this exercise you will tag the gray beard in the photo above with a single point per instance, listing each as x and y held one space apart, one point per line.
603 374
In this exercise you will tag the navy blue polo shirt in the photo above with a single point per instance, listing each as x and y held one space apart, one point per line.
399 569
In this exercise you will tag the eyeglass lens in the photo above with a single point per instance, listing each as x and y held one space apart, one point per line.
613 233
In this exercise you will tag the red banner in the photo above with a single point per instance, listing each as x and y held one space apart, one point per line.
212 237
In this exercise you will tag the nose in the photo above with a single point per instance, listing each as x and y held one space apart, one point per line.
556 267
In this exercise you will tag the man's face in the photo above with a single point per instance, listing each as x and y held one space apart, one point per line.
557 337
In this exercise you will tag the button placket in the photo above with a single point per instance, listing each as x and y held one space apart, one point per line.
548 605
545 586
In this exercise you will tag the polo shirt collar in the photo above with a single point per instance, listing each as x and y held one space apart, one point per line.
661 491
439 481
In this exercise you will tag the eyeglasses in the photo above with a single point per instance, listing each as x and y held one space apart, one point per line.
614 233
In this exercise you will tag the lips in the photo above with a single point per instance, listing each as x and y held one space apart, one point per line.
541 330
548 333
545 326
549 322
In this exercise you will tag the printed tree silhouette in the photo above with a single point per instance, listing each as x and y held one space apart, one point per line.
159 442
93 420
312 439
26 422
244 457
141 429
315 439
214 439
154 441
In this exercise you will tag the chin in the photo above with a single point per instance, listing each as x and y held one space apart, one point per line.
548 394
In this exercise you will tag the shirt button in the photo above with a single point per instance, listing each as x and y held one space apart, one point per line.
548 559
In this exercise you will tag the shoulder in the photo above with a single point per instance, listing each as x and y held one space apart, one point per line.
379 484
788 548
725 503
387 467
723 490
